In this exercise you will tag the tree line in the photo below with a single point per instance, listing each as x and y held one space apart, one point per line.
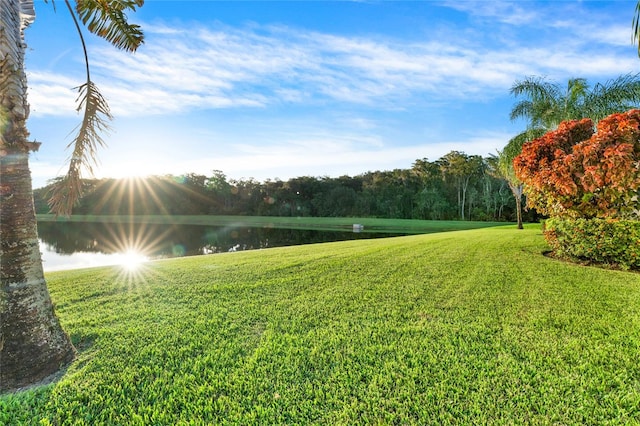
455 187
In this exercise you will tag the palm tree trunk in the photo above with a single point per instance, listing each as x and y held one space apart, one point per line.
32 342
516 190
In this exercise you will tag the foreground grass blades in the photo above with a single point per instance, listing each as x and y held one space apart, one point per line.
468 327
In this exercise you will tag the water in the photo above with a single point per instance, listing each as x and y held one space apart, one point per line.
79 245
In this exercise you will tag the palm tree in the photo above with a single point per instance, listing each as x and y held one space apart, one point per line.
32 342
546 104
504 170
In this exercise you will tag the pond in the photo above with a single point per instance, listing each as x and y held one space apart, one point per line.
72 245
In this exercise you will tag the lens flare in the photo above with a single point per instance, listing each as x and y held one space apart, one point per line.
132 259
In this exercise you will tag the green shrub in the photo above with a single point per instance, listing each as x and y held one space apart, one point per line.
604 241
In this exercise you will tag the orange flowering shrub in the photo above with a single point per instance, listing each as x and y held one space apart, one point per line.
608 166
576 172
588 182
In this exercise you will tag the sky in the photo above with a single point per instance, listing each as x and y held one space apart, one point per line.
283 89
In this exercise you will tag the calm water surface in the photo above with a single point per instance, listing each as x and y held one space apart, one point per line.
80 245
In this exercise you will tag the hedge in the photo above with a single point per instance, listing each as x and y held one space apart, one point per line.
603 241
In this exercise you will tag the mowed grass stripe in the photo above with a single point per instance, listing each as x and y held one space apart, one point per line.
466 327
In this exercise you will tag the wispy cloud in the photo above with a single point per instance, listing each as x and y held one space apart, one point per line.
498 11
51 94
181 69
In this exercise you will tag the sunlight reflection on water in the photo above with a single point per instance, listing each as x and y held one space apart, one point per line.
52 261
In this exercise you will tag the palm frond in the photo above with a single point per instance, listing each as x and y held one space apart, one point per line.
573 101
107 19
535 88
577 87
68 190
514 146
618 95
541 106
548 113
522 109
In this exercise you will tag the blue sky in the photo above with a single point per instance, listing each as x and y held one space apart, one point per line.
312 88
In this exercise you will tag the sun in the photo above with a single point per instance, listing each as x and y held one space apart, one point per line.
132 260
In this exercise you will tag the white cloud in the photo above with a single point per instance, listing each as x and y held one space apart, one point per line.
43 171
182 69
507 12
51 94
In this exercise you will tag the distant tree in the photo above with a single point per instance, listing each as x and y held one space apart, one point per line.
250 197
430 200
194 193
340 201
32 343
421 192
460 168
492 189
220 190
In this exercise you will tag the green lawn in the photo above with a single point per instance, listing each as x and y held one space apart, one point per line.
397 226
468 327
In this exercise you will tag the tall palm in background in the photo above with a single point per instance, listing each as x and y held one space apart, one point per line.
546 104
504 169
32 343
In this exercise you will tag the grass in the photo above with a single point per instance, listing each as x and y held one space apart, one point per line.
397 226
469 327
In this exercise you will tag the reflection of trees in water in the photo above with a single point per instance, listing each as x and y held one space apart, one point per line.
156 240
